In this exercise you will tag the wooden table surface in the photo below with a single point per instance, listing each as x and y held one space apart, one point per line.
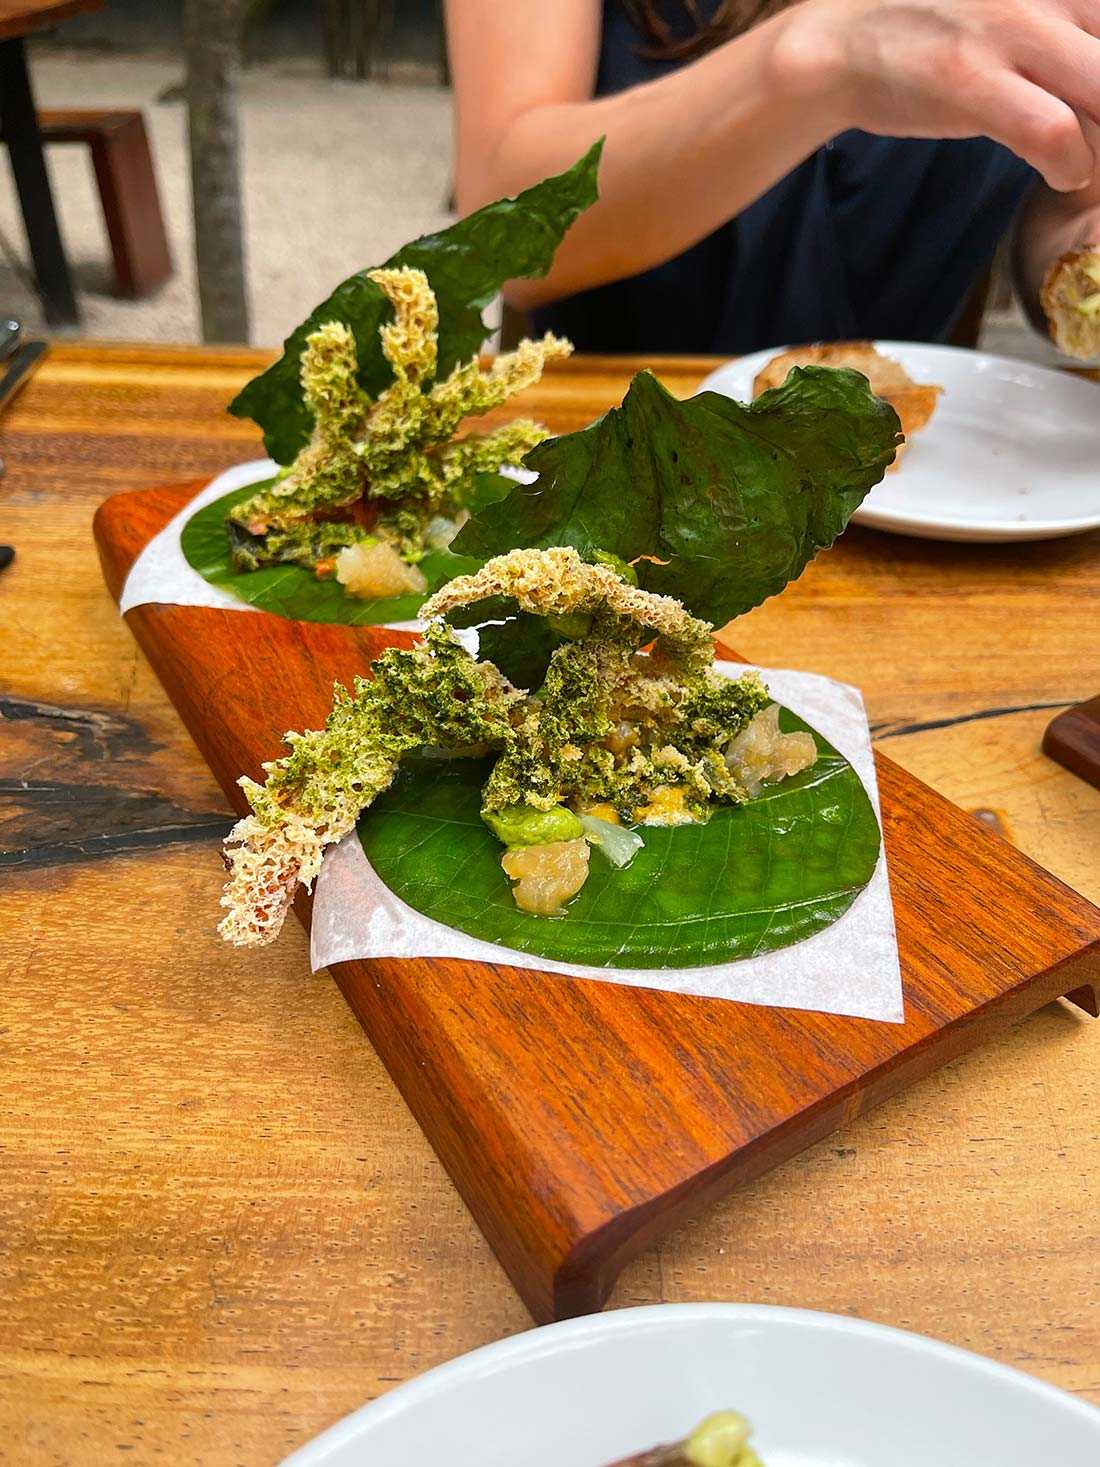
219 1227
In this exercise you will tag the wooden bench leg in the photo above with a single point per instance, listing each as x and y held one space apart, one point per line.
131 208
19 122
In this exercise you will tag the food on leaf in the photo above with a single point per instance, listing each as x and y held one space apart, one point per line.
756 878
762 752
466 265
720 1440
643 733
376 475
620 723
717 503
363 406
547 875
914 402
1070 297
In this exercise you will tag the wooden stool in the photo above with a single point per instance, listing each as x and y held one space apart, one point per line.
127 190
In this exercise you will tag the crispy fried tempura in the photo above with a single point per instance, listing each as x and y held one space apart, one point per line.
557 582
914 402
1070 297
643 735
401 448
266 865
434 694
409 341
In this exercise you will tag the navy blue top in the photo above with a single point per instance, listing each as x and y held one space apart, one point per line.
869 237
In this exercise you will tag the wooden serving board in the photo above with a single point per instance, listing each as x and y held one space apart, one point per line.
581 1120
1073 739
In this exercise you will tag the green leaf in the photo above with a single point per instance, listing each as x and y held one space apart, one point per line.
737 498
466 266
757 877
291 590
517 642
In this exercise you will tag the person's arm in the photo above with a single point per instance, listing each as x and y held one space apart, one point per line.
1052 224
682 154
690 150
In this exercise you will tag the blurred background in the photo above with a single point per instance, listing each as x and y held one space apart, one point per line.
342 112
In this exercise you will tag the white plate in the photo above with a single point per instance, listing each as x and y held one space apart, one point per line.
821 1390
1012 451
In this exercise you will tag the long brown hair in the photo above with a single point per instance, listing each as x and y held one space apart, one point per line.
729 19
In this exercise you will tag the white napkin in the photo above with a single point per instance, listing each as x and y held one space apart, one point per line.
849 968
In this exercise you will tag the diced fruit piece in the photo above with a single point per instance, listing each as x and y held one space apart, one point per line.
620 846
601 812
373 570
547 876
761 752
666 806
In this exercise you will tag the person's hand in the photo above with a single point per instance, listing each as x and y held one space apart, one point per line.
1018 71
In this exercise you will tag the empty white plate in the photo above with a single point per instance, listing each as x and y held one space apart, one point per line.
1012 451
821 1391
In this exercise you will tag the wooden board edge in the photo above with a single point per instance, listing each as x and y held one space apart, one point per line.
1073 740
571 1274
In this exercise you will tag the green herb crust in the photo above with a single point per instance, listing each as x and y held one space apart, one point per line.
563 746
384 470
466 265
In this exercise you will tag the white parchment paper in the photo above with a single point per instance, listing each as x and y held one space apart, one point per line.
849 968
162 575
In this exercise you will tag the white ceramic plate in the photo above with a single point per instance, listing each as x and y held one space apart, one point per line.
1012 451
821 1390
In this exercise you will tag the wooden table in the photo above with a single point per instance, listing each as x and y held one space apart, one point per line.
21 133
219 1227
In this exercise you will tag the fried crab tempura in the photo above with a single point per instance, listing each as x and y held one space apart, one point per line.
914 402
1070 297
642 738
721 1440
374 476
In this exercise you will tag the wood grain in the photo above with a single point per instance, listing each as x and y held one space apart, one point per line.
579 1120
220 1226
1073 738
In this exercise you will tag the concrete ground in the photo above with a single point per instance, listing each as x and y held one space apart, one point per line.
337 175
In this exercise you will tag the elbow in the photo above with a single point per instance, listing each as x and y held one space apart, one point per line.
530 294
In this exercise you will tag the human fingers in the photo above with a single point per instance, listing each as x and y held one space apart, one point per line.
1038 126
1063 59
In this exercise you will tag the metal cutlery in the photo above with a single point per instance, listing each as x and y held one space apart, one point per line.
20 361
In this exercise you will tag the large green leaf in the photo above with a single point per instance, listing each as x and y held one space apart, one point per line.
291 590
736 498
756 878
466 265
